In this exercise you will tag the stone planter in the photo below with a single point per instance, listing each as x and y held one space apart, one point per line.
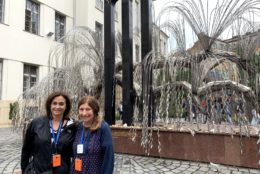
202 147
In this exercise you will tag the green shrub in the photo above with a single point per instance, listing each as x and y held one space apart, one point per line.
117 116
13 110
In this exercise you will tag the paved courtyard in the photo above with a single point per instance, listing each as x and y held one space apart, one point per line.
10 151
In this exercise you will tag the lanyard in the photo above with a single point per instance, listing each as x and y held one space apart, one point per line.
83 137
56 138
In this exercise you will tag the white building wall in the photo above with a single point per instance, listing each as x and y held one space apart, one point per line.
95 16
47 16
43 71
19 47
81 12
63 6
16 17
25 47
12 79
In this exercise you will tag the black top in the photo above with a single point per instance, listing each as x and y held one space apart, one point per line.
37 145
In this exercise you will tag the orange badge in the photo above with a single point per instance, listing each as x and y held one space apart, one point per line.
78 165
56 160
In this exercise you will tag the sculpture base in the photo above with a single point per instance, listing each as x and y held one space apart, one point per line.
203 147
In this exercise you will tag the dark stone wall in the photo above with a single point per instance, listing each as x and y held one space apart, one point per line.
203 147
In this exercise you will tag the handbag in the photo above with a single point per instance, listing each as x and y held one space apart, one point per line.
48 172
30 170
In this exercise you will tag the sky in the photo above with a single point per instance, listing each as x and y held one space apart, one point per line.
190 36
158 6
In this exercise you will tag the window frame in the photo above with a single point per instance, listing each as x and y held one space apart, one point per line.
58 17
2 11
30 75
99 4
99 34
30 14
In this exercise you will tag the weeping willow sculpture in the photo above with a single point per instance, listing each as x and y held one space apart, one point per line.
202 81
208 25
76 66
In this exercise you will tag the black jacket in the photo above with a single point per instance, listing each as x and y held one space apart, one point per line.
37 144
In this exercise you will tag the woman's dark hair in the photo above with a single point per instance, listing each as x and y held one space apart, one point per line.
51 98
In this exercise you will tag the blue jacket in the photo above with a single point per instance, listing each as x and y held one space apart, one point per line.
98 156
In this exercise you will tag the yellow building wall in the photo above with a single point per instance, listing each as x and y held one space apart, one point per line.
119 96
4 113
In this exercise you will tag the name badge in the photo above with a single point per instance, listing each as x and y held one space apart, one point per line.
80 149
56 160
78 165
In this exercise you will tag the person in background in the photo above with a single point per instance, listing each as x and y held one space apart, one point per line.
186 108
93 146
194 111
228 111
120 109
255 118
47 146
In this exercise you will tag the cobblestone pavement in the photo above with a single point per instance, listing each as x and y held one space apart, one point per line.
10 151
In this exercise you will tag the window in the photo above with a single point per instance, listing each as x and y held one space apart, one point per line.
137 53
59 27
1 76
2 5
32 17
100 4
59 80
163 46
30 74
98 29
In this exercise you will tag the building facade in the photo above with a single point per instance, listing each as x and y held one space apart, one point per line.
30 28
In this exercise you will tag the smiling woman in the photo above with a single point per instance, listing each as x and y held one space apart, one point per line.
86 114
89 113
58 106
93 147
47 146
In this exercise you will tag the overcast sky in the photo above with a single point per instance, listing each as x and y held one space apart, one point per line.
159 4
